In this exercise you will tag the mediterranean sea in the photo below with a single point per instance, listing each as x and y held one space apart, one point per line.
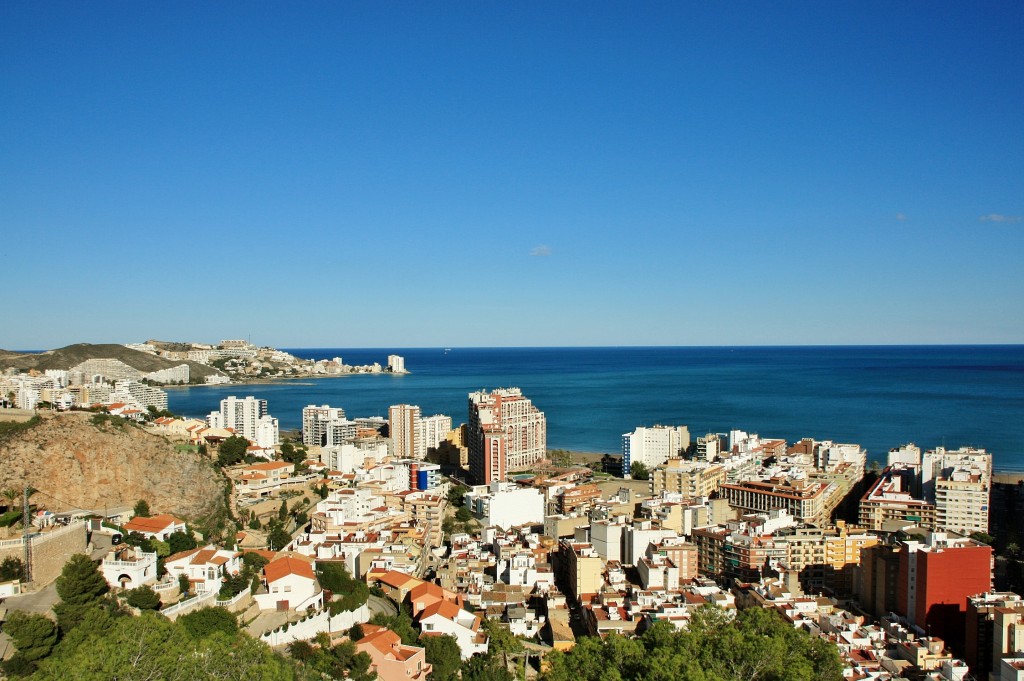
876 396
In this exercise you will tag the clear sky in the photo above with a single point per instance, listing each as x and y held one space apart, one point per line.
520 173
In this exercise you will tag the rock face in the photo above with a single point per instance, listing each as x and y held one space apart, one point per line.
76 463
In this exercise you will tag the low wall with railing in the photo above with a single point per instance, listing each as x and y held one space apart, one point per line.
311 625
188 605
236 603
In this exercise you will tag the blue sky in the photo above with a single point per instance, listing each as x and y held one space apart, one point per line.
528 173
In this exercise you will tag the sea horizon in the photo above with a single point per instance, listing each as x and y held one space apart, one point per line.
292 348
878 396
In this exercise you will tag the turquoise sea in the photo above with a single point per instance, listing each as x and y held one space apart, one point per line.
877 396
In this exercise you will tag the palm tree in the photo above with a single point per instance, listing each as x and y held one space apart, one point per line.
11 495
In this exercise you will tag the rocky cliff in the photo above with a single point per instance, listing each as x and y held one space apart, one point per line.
76 462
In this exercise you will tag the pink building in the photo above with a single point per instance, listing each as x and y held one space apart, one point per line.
390 659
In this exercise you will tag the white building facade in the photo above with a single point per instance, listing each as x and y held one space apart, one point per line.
654 446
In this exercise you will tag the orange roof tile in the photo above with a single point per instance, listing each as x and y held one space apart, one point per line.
270 466
157 523
282 567
445 609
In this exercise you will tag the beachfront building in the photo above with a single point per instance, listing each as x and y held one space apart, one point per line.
315 420
653 446
960 483
139 394
241 415
505 432
396 364
947 490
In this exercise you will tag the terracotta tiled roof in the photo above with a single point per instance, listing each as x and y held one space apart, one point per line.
398 579
269 466
445 609
282 567
157 523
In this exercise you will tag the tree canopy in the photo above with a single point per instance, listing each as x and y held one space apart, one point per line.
638 471
755 645
207 621
443 653
81 587
33 635
141 509
232 450
151 647
143 598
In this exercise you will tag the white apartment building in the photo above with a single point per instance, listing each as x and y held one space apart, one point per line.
431 431
109 369
242 415
267 432
960 483
178 374
505 505
315 420
396 364
340 431
505 431
939 462
133 392
58 376
708 447
653 446
349 456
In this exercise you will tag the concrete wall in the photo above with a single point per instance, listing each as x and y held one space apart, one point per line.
50 551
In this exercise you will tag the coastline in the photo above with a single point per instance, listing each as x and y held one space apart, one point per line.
275 380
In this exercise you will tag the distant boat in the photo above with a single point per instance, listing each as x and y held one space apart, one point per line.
447 350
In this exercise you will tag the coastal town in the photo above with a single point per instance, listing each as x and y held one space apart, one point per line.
435 545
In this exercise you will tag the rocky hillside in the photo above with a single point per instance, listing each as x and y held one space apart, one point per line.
73 355
83 464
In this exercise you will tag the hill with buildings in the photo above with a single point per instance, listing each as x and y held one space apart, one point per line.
94 462
73 355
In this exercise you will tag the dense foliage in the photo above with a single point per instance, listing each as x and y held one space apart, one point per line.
443 653
103 642
11 568
756 645
143 598
81 588
205 622
336 662
141 509
232 450
349 593
151 647
638 471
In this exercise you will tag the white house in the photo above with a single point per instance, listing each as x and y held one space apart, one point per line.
444 617
155 527
290 585
128 567
204 567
